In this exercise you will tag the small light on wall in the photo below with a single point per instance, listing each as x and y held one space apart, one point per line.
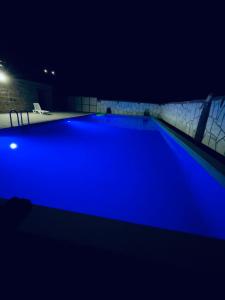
53 73
45 71
13 146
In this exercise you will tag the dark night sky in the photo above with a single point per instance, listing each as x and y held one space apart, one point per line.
162 53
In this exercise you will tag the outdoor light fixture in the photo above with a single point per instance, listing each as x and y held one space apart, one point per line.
13 146
48 72
3 77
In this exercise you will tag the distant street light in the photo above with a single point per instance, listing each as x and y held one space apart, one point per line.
53 73
45 71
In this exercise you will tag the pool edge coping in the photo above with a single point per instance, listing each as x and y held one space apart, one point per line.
203 158
45 122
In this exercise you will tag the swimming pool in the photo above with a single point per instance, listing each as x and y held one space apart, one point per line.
117 167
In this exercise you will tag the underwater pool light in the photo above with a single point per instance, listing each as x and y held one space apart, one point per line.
13 146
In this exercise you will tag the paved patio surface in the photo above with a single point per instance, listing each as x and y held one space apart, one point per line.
36 118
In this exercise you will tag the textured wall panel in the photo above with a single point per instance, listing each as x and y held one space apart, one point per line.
214 136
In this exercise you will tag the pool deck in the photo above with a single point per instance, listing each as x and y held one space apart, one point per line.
36 118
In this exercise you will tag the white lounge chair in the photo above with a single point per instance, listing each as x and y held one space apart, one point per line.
37 109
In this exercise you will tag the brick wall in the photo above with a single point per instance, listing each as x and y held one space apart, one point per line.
20 94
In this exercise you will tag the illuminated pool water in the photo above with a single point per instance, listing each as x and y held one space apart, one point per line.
124 168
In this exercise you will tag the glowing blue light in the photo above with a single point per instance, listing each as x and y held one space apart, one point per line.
68 121
13 146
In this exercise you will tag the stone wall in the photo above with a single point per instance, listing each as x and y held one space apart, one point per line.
128 108
184 116
214 136
20 94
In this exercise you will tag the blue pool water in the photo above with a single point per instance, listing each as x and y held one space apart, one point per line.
123 168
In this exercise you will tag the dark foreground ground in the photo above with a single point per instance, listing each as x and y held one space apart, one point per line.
41 267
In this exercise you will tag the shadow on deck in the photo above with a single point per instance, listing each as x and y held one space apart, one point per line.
36 256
